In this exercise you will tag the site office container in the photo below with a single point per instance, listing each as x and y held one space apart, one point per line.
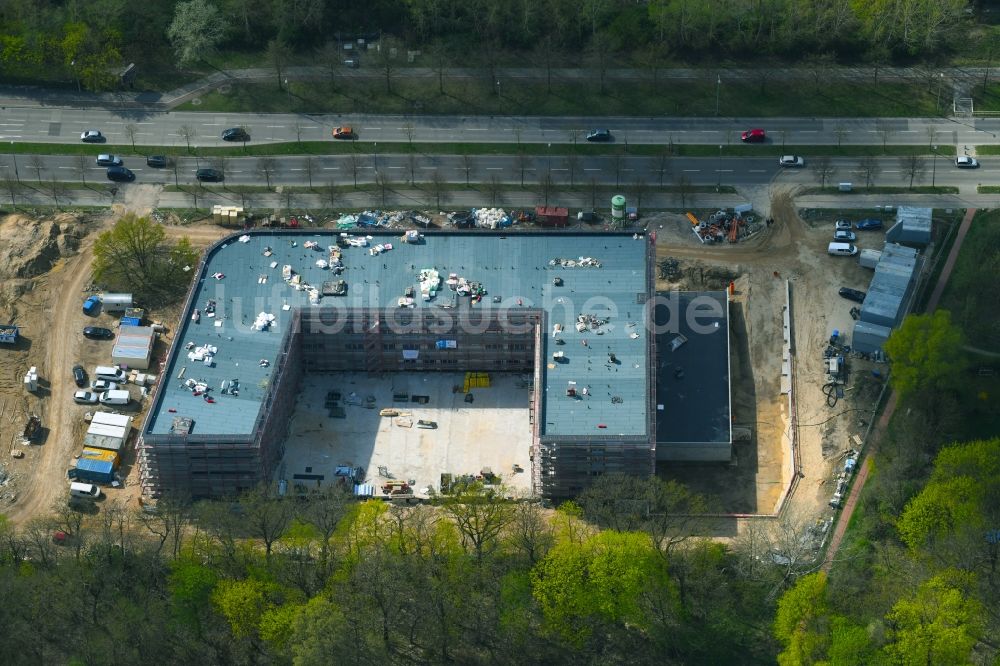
90 470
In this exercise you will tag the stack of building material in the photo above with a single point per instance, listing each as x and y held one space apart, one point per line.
430 281
263 321
227 214
31 379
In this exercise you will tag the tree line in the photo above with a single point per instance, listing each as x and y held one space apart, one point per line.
88 43
474 579
918 576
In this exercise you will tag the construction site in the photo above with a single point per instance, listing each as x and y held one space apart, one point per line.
396 351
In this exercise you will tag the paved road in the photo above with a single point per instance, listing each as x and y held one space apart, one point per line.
60 125
295 170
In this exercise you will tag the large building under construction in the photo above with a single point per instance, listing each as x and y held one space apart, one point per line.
267 308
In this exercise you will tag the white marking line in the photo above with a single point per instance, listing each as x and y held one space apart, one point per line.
477 129
212 124
11 124
723 170
494 168
331 168
276 126
591 169
371 128
560 169
808 131
691 170
296 169
396 167
758 170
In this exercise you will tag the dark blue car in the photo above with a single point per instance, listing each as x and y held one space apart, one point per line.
868 224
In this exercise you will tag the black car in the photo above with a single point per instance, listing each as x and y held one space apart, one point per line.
852 294
208 175
120 174
79 375
235 134
599 135
157 161
98 333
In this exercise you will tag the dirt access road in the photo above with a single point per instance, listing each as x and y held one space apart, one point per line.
789 249
40 486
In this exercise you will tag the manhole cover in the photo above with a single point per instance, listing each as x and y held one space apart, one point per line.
226 89
196 101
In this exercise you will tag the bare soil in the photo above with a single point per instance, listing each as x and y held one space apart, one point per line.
44 278
788 249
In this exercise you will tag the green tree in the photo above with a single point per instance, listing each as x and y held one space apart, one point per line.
939 624
244 603
136 256
603 579
799 621
926 354
197 29
190 584
481 514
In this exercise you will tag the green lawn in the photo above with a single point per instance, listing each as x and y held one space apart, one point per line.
861 189
762 97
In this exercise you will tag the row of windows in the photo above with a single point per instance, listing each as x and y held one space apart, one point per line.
411 346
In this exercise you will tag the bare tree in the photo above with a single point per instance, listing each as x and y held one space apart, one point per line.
386 58
931 136
173 163
886 131
545 187
56 189
572 162
684 189
265 168
278 53
266 516
438 188
37 163
594 188
530 532
639 188
468 162
221 164
411 162
521 163
439 62
600 51
12 188
618 161
187 132
869 166
329 56
298 127
81 163
354 162
840 131
131 131
913 166
824 168
663 164
310 166
333 194
494 188
384 184
166 521
409 130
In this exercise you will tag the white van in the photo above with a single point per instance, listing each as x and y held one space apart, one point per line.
118 397
88 490
842 249
110 373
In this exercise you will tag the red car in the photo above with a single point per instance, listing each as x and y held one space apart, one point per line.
343 133
753 136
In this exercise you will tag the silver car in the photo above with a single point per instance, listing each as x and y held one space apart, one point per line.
791 161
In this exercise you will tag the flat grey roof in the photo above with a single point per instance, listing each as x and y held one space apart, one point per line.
515 266
692 381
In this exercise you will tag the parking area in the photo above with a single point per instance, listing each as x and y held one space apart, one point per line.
339 423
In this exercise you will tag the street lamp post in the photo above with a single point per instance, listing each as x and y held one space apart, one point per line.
13 157
718 184
288 91
934 167
376 157
940 87
718 87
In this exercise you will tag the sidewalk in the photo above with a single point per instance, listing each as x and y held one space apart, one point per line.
960 78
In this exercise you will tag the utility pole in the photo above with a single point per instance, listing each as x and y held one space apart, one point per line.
718 86
13 156
934 167
718 184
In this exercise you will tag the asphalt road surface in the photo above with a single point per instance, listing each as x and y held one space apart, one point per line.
606 170
60 125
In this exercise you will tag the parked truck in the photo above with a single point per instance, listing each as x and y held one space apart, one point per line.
91 305
32 430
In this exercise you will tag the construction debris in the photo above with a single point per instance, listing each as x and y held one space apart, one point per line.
733 226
